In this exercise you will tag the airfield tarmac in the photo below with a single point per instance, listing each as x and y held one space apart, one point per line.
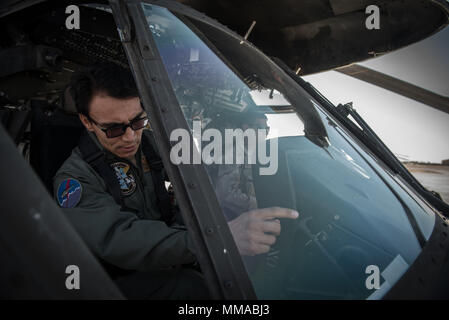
432 176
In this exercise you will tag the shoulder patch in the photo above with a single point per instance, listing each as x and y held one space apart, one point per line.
125 177
69 193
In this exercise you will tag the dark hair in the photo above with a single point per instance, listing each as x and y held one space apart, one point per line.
107 78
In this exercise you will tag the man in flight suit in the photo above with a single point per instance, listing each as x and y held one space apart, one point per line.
108 190
234 183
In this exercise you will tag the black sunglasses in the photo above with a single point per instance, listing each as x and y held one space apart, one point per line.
118 130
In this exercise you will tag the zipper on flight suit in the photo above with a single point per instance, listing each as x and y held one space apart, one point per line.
139 156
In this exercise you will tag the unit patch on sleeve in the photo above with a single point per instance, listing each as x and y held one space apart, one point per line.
69 193
125 178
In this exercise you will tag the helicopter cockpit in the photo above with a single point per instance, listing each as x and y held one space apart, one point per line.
352 213
194 74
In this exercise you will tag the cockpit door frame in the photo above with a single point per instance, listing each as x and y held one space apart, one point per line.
217 253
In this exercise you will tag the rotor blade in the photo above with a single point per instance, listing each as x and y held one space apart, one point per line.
398 86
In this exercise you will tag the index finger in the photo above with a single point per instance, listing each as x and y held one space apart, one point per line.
277 212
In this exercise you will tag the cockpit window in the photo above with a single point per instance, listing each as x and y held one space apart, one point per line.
354 221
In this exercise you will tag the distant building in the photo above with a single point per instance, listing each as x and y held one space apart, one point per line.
445 162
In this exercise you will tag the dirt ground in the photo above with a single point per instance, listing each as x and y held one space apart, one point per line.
433 177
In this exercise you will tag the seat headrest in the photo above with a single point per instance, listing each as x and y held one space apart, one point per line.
68 104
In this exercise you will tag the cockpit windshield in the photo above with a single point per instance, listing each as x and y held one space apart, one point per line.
266 143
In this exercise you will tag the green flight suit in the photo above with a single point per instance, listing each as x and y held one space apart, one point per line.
127 240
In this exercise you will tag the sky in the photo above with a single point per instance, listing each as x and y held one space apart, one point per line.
407 127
